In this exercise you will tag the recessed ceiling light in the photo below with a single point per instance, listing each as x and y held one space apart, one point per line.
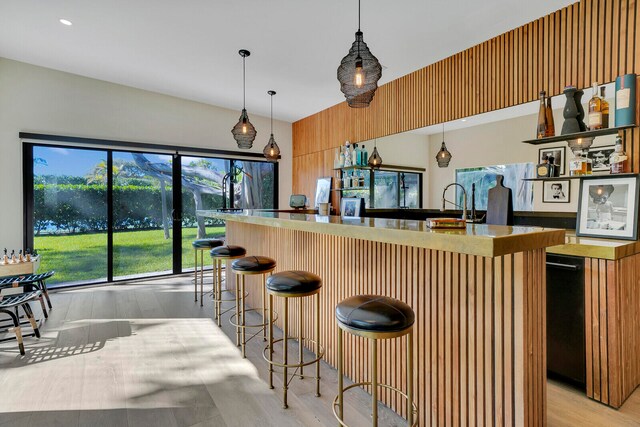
463 120
65 22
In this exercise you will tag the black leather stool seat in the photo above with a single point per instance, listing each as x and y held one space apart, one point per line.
253 264
206 243
228 251
294 282
375 313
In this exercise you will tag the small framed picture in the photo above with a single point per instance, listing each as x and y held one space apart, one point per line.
323 190
556 191
600 157
351 207
558 154
608 207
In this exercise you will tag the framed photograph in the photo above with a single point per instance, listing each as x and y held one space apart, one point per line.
556 191
558 154
608 207
600 157
323 190
351 207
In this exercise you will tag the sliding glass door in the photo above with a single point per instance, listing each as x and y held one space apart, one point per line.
99 215
70 213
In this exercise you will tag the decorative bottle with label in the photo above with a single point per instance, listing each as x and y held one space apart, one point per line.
543 170
618 160
604 108
347 154
364 156
580 165
551 128
595 110
354 155
542 117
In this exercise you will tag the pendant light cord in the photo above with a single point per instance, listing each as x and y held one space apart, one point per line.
271 114
359 28
244 89
442 132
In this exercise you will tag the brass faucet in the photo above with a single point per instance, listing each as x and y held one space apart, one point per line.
464 200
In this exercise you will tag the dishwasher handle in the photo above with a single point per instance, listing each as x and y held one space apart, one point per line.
571 267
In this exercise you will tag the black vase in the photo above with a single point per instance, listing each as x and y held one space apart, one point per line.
570 112
580 118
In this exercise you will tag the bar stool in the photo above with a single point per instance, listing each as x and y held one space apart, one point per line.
293 284
218 256
202 245
375 317
251 265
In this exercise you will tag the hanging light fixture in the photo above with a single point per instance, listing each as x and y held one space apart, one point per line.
271 150
359 72
375 161
444 156
244 132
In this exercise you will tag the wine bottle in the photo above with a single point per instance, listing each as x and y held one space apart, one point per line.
542 117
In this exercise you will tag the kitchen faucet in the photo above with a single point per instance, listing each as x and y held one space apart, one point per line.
464 200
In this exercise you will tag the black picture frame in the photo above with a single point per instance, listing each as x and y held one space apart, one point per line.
548 197
600 157
590 187
555 151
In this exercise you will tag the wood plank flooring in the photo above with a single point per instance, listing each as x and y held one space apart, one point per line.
144 354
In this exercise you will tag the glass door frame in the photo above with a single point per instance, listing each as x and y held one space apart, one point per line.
31 140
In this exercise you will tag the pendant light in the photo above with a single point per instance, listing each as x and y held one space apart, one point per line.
243 132
359 72
375 161
444 156
271 150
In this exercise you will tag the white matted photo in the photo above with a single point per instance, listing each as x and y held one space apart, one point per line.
558 154
600 157
556 191
608 207
351 207
323 190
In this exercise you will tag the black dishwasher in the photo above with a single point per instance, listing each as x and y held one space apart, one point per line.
565 319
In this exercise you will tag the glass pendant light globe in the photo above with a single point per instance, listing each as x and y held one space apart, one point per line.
244 132
359 72
375 161
444 156
271 150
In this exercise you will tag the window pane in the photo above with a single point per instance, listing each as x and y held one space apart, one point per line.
385 189
142 204
254 185
201 189
70 213
409 190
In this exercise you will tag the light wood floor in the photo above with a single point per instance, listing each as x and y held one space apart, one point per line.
144 354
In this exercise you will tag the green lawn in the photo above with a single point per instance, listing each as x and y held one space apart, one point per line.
83 257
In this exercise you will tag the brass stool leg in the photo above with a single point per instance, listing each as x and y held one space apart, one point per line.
215 290
374 381
340 379
264 316
237 310
243 329
410 379
318 344
300 340
195 271
201 278
285 332
270 341
219 280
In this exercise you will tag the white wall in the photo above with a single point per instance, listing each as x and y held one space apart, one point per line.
41 100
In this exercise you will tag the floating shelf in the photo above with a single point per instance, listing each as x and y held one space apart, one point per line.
349 168
587 134
351 189
594 175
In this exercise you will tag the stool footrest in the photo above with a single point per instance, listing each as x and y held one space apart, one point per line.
254 325
388 387
293 365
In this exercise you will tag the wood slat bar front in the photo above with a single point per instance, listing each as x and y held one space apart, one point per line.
479 334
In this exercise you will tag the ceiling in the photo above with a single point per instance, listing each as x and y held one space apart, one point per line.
189 49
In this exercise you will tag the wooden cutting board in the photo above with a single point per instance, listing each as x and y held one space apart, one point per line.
500 204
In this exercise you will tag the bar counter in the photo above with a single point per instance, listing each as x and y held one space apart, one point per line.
479 297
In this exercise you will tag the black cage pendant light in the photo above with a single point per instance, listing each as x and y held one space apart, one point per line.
444 156
359 72
271 150
243 132
375 161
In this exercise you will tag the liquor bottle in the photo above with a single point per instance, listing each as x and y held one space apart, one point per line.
618 160
543 170
364 156
551 128
354 155
595 110
553 168
347 154
542 117
604 108
580 165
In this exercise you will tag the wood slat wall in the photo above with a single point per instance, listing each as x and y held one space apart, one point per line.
612 326
592 40
480 331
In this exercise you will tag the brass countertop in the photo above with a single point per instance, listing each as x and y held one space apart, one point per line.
592 247
476 239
